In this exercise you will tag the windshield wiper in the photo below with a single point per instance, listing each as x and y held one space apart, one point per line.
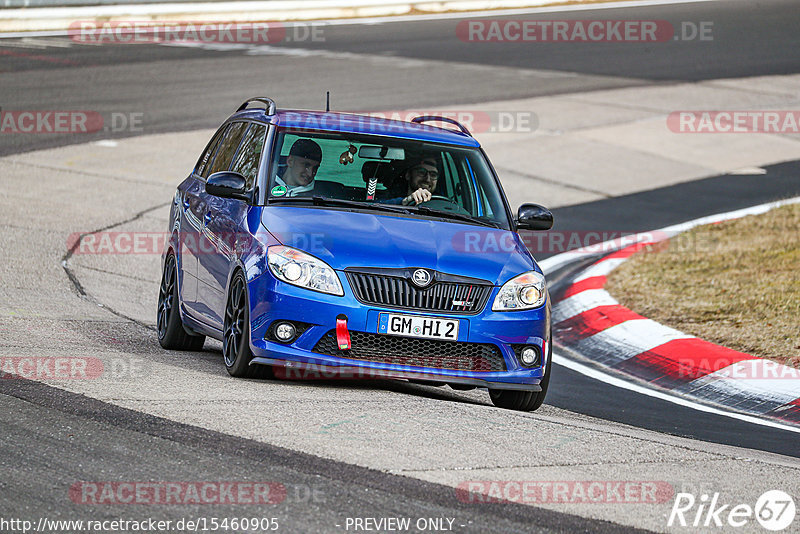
325 201
453 215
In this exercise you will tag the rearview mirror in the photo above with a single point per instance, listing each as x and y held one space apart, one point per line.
534 217
227 184
381 152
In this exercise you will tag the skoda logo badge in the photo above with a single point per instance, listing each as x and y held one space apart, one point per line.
421 278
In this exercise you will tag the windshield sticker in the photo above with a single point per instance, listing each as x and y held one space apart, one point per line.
278 191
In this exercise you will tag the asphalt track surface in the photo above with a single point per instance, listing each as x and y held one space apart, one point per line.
82 439
181 89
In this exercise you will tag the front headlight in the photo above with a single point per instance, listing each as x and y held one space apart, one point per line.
523 292
300 269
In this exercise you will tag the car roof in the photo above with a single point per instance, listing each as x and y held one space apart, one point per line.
360 124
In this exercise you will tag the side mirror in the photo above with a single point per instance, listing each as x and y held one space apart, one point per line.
534 217
227 184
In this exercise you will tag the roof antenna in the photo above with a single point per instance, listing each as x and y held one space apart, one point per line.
327 101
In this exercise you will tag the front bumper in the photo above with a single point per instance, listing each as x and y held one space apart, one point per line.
272 300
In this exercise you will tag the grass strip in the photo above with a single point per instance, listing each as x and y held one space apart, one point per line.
735 283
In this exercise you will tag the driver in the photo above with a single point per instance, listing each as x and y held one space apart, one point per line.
421 177
301 168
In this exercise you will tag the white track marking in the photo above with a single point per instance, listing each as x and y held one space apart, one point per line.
490 13
625 340
548 265
755 376
601 268
47 43
583 301
630 386
485 13
376 59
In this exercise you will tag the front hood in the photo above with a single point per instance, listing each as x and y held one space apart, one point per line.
348 239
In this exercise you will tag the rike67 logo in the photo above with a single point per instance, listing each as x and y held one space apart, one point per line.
774 510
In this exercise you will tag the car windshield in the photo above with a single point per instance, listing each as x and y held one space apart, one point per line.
374 172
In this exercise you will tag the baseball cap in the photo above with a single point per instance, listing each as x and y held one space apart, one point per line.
306 148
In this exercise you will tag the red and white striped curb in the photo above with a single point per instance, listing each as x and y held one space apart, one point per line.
589 321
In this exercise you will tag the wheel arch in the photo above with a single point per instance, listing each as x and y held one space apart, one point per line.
238 267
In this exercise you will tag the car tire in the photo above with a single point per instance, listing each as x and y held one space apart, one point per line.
171 334
525 401
236 333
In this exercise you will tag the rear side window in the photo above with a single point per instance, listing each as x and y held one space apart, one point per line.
227 147
247 159
204 164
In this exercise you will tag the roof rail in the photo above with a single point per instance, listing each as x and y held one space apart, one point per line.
426 118
271 107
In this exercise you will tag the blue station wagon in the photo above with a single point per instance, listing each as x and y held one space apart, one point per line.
356 246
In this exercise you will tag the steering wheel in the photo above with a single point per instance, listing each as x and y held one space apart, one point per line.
439 197
439 202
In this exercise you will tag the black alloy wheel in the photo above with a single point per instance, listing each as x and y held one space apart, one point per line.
171 333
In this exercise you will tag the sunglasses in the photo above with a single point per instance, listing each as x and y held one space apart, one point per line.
422 172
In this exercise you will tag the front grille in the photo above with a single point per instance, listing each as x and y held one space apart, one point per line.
415 352
398 292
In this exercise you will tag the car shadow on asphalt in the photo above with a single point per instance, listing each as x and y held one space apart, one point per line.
209 361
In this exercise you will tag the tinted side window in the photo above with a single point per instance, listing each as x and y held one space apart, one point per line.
246 162
227 147
457 173
204 163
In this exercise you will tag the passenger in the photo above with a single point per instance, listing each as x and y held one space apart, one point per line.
421 179
302 164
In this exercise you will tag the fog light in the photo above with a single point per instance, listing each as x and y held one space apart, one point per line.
529 356
285 332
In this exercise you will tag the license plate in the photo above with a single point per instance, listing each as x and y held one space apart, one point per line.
396 324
